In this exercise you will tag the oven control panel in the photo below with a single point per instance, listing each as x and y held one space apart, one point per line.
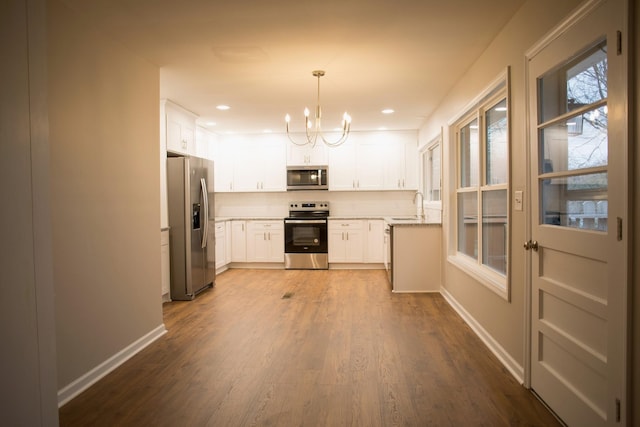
308 206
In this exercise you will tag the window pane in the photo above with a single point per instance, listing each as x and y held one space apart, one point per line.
579 83
469 161
497 135
494 230
468 224
434 174
577 201
580 142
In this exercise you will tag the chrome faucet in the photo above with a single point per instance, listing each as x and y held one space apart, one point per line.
415 197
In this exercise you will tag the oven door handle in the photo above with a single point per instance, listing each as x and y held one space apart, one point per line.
305 221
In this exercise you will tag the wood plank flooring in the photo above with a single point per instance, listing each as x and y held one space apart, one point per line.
313 348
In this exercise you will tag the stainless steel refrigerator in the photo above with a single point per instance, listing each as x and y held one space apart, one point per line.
189 208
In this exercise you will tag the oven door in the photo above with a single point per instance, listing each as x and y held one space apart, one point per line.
305 236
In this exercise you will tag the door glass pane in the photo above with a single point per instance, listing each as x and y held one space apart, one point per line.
576 84
469 155
577 201
494 230
579 142
496 147
468 224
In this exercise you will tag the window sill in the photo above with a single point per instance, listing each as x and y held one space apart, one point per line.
485 276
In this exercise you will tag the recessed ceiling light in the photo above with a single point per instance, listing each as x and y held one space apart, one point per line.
210 123
382 128
267 131
222 107
388 111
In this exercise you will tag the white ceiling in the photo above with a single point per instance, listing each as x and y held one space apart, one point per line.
257 55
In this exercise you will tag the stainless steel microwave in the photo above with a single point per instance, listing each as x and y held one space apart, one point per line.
307 178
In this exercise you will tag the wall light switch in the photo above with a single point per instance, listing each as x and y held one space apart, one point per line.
517 200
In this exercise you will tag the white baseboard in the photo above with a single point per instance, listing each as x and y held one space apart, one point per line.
87 380
505 358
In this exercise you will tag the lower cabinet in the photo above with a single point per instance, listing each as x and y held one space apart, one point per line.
238 241
265 241
346 241
220 245
375 248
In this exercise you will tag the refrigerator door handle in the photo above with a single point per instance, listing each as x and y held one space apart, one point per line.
205 201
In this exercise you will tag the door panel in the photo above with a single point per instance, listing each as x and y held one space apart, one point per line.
578 265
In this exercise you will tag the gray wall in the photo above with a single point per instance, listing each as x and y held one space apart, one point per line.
105 193
27 358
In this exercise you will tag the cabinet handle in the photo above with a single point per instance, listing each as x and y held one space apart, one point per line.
403 184
264 236
343 235
399 183
347 235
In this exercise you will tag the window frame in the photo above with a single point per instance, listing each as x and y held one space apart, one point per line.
497 91
426 155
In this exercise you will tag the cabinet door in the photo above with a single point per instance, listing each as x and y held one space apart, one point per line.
411 164
238 241
175 143
257 245
227 242
370 165
247 168
223 158
342 167
375 241
355 245
220 244
337 246
272 164
276 243
306 155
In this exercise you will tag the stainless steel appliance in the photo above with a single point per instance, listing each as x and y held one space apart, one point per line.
305 236
189 208
307 178
388 256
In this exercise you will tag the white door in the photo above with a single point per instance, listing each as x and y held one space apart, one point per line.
579 218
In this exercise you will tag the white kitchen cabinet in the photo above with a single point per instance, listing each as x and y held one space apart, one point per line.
265 241
375 241
204 146
259 165
346 241
373 161
165 264
223 165
306 155
238 241
401 167
220 244
180 128
227 242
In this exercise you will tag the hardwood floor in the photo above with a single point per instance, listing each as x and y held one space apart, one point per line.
317 348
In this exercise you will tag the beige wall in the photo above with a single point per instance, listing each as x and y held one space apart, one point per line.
27 358
104 133
503 320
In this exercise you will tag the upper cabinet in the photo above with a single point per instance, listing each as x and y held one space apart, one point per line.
306 155
205 143
372 161
180 128
250 163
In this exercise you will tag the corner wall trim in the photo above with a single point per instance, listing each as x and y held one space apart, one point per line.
505 358
87 380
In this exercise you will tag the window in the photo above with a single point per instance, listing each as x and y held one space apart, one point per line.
573 125
431 173
481 187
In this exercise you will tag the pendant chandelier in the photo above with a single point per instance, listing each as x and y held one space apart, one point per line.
313 128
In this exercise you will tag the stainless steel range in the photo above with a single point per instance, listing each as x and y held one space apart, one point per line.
305 236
